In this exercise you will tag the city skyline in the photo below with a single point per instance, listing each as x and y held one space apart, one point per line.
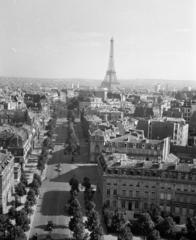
70 39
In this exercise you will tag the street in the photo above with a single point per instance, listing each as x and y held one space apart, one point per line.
54 191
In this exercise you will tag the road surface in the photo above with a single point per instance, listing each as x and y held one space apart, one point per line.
54 191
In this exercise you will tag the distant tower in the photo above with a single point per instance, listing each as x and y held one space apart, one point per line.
110 80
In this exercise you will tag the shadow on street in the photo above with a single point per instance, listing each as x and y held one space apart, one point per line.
56 197
79 172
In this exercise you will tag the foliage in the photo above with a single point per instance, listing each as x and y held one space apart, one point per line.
166 227
92 220
118 221
20 189
97 233
79 231
74 206
125 233
73 182
154 235
28 207
31 197
35 186
12 213
86 183
22 220
88 195
191 228
90 206
77 217
17 233
38 178
23 179
4 223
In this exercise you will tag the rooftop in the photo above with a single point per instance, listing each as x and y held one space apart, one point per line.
5 158
123 161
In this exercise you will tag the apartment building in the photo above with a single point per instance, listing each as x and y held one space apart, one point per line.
6 179
131 185
175 128
132 143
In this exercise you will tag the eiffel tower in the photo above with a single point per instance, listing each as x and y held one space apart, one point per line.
110 80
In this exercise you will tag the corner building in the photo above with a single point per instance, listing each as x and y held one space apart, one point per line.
132 185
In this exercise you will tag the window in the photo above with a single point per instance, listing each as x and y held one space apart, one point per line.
168 196
137 205
124 192
123 203
115 192
168 208
114 204
131 194
130 206
177 210
145 206
161 196
137 193
153 195
146 194
108 192
184 211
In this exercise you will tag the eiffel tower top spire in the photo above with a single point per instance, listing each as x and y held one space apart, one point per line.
110 78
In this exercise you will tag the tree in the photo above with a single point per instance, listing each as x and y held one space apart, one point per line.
41 165
31 197
12 212
35 184
97 233
77 217
20 189
191 228
37 178
23 179
22 220
88 195
86 183
17 233
74 206
28 207
118 221
125 233
73 182
155 213
4 223
79 231
92 220
154 235
90 206
166 227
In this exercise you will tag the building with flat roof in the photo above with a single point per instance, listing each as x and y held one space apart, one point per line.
130 185
6 179
175 128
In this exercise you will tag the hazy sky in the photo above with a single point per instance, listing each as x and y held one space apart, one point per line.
70 38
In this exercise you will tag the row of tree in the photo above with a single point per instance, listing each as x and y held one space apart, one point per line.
90 229
47 145
152 224
17 220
